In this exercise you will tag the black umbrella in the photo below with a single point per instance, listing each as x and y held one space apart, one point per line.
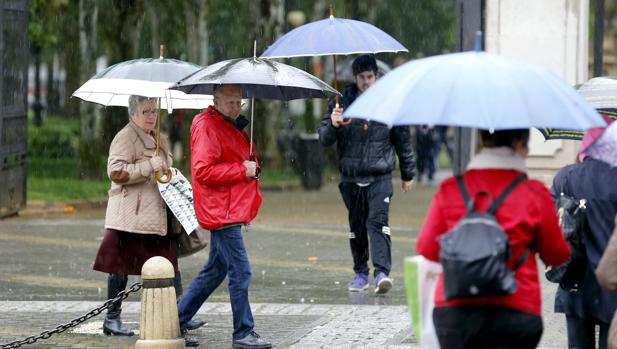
258 78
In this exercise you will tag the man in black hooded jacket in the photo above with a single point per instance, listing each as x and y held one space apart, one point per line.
366 158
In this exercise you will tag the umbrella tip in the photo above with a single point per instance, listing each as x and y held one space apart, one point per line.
478 42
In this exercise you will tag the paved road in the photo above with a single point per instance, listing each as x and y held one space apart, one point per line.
301 265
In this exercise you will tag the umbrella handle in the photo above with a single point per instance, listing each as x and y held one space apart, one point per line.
344 122
157 174
257 169
159 178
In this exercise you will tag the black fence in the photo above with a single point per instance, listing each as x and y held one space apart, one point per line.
13 105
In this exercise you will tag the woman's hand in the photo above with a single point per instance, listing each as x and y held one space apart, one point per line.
157 163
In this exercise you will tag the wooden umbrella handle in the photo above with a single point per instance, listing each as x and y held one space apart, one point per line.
157 174
160 179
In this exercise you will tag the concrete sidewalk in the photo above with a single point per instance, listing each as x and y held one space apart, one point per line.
299 326
285 325
299 253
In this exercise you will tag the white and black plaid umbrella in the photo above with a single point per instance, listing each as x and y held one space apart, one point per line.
148 77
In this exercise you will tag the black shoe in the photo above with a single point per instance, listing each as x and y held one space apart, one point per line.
251 341
195 324
188 341
191 341
115 327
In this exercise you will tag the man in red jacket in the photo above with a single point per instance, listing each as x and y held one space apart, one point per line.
226 196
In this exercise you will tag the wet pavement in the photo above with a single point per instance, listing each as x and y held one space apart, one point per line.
299 253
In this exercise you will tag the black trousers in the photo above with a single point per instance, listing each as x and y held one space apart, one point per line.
582 333
368 209
484 327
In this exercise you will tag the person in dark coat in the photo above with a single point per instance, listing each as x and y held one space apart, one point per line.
594 179
426 150
366 157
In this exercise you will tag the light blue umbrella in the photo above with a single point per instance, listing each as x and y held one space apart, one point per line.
333 36
475 89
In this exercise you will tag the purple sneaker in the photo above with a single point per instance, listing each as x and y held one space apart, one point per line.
383 283
359 283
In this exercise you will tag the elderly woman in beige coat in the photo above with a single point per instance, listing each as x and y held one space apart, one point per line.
137 222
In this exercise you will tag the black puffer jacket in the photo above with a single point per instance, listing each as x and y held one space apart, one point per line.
366 150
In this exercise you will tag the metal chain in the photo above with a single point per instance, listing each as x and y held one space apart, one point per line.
61 328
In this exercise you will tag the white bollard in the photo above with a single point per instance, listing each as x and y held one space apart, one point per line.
159 325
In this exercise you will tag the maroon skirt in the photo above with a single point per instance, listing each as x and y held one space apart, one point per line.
124 253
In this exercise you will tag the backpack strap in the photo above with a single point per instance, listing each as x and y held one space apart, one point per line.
505 193
522 258
466 199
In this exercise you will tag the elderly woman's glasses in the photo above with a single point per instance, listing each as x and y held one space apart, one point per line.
147 112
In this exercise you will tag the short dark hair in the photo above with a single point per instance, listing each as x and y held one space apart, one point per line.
364 63
503 138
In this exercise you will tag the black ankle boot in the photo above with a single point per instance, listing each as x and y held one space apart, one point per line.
113 323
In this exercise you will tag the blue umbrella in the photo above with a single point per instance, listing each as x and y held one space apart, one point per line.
333 36
475 89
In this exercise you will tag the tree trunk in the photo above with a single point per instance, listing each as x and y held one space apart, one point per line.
53 95
90 163
197 32
124 20
72 60
38 107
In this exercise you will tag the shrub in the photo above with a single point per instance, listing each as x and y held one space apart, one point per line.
56 138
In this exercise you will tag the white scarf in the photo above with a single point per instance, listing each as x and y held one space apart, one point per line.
502 158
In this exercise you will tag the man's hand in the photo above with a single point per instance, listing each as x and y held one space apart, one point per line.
251 168
336 117
407 185
157 163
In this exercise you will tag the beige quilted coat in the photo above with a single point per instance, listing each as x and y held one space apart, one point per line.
135 204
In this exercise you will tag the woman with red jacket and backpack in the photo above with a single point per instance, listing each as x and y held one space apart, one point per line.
527 215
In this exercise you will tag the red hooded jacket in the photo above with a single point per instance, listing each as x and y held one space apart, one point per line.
527 215
222 192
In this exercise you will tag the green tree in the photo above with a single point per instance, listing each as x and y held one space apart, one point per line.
119 31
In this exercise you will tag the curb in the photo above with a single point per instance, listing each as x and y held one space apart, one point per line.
39 208
42 208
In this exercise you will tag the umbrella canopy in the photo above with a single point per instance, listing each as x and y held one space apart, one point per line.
147 77
474 89
333 36
601 93
259 78
556 133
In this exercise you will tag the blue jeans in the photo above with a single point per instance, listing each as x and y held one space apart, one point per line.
227 257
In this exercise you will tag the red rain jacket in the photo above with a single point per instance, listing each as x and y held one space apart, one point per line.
527 215
222 192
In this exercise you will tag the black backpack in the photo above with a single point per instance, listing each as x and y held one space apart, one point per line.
473 254
572 219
